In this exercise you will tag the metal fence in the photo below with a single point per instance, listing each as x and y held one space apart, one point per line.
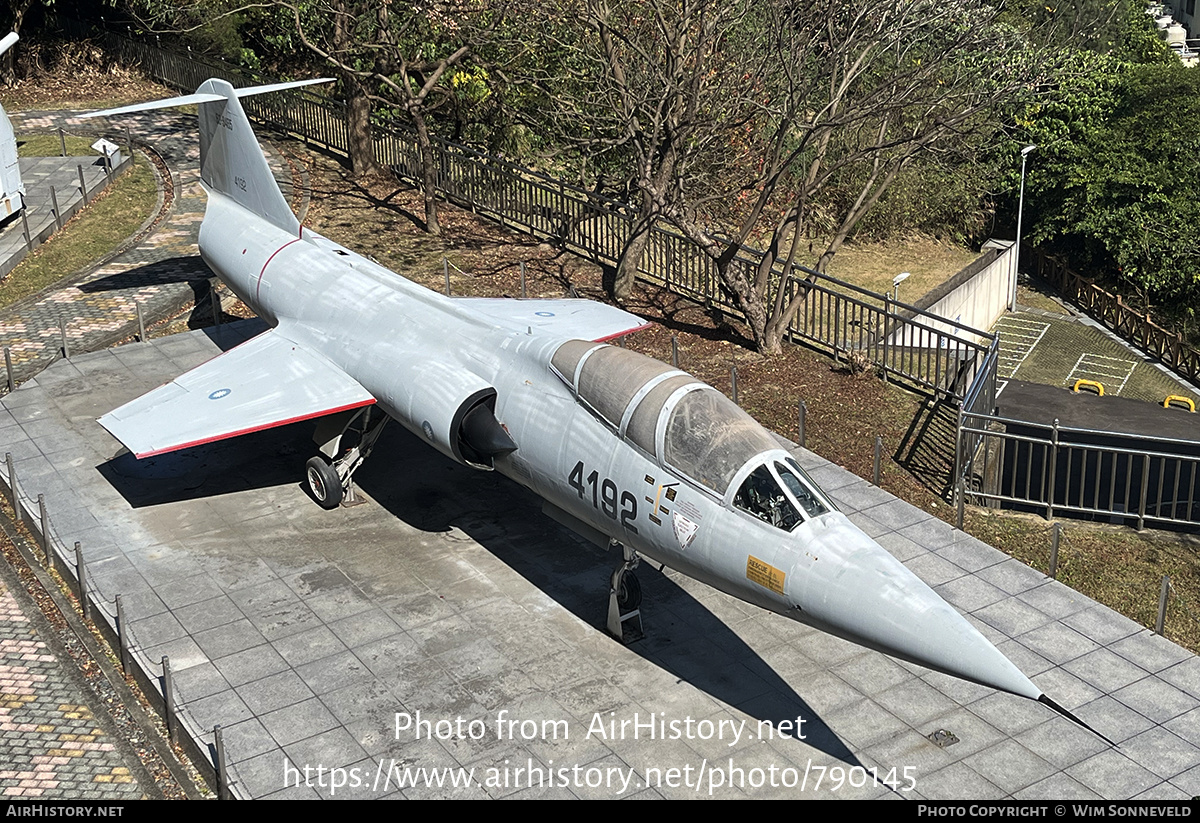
1110 476
900 340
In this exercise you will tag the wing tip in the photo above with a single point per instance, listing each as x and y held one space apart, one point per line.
622 333
251 430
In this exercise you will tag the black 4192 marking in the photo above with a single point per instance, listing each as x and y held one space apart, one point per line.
605 496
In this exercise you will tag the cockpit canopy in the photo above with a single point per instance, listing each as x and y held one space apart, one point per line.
667 413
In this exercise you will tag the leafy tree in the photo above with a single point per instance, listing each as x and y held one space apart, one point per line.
1116 188
868 90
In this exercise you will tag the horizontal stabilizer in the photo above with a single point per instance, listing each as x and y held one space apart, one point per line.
168 103
580 319
204 97
267 381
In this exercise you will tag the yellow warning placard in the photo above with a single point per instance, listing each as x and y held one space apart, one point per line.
764 574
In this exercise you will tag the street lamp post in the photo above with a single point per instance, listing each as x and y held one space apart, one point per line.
1012 295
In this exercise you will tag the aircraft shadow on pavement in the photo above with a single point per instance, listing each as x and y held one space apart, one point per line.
181 269
433 494
489 508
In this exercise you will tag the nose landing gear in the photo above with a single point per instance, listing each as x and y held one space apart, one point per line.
625 600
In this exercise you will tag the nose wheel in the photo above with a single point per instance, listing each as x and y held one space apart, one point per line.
625 600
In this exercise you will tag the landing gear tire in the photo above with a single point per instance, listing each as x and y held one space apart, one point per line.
629 592
323 483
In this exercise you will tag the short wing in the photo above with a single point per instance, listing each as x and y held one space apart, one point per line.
265 382
580 319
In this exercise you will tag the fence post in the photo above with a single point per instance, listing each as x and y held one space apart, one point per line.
522 278
837 326
141 322
958 448
674 350
62 141
12 486
168 698
1054 550
446 272
733 382
878 459
959 504
62 336
1145 492
800 427
81 576
223 792
25 230
12 381
1053 470
122 637
1162 605
82 184
44 519
887 313
54 204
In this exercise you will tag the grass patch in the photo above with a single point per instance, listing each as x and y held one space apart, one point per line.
95 231
873 265
49 145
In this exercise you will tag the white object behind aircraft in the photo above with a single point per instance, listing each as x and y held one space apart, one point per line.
621 447
12 190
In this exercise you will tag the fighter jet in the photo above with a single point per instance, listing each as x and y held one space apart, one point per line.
623 449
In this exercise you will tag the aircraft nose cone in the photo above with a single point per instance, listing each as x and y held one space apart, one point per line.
851 586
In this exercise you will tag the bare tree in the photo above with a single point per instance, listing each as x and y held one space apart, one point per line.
663 89
867 88
407 56
385 54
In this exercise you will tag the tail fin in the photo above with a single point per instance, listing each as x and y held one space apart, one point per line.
231 161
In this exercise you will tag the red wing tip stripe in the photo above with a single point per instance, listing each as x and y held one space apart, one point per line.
615 335
265 426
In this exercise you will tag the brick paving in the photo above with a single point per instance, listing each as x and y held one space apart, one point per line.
51 743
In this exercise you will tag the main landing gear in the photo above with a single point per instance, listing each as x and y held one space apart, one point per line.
330 480
625 599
